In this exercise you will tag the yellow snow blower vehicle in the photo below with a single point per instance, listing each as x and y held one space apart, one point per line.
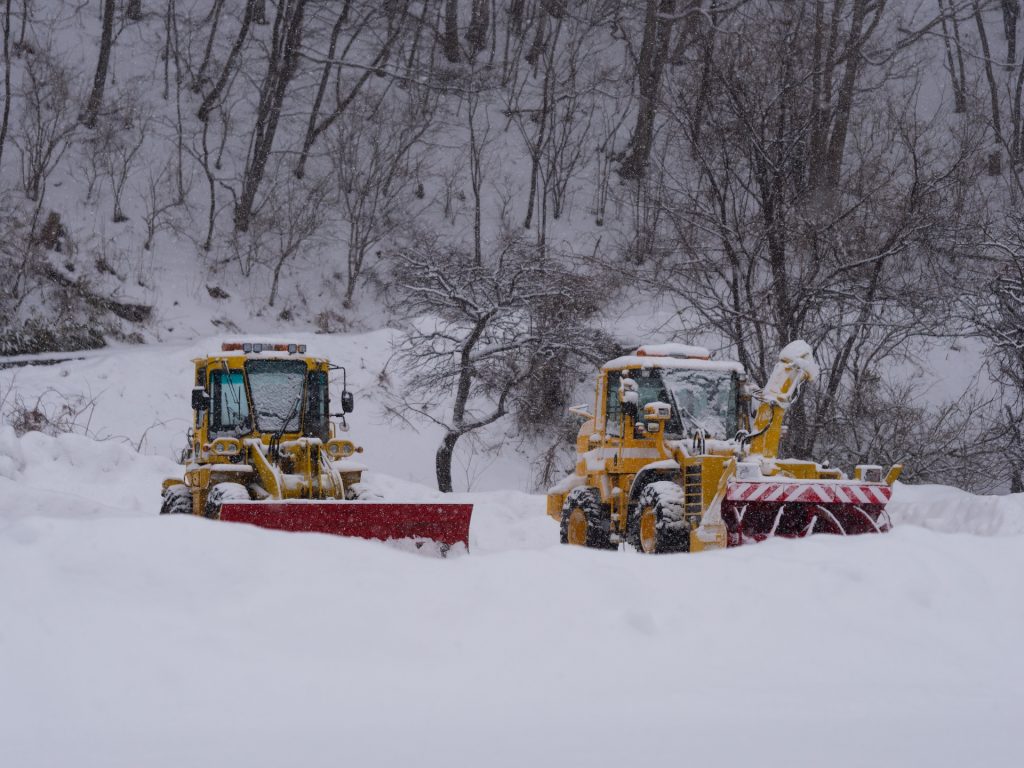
263 450
675 458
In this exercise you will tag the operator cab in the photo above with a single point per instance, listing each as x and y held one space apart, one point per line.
242 394
704 395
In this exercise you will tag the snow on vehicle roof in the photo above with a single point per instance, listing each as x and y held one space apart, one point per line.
693 364
672 350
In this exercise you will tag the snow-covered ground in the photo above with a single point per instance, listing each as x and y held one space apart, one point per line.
129 639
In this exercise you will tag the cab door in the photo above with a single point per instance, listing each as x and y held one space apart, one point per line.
611 447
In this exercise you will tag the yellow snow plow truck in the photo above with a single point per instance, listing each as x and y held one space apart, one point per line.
675 457
263 450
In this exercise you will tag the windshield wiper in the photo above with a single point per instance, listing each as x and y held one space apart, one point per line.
682 411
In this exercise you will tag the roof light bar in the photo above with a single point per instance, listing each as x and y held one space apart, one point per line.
251 347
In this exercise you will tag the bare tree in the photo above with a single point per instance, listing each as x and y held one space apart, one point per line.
46 122
994 300
497 325
160 198
791 229
374 172
300 212
121 139
958 442
333 62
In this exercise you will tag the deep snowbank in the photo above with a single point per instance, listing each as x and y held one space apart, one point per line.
129 639
169 642
950 510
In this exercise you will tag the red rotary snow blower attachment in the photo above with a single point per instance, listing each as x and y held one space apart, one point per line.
263 450
754 511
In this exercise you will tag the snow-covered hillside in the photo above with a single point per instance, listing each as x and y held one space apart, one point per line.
130 639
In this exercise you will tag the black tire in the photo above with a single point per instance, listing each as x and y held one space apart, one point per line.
177 500
219 494
583 507
662 501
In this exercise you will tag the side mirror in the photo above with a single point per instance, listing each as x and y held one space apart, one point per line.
347 402
200 400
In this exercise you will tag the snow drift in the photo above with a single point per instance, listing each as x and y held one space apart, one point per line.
132 639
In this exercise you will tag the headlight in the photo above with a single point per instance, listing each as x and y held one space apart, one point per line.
226 446
340 449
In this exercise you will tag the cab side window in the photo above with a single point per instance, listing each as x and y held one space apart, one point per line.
317 422
200 382
229 403
612 424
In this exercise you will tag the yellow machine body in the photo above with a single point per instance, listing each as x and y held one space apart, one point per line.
262 450
620 450
287 458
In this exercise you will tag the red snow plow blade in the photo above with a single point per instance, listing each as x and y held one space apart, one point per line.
446 524
754 511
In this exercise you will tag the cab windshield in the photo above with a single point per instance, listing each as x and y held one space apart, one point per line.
701 400
276 387
705 400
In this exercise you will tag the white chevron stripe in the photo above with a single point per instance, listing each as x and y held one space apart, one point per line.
879 493
757 490
858 492
820 492
795 492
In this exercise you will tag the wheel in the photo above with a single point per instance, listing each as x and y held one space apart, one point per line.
177 500
219 494
583 520
658 525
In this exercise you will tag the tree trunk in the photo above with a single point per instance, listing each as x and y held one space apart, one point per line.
1011 11
200 78
997 131
443 462
314 129
133 12
479 22
7 79
847 88
450 40
537 150
284 58
210 100
653 54
955 75
92 108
